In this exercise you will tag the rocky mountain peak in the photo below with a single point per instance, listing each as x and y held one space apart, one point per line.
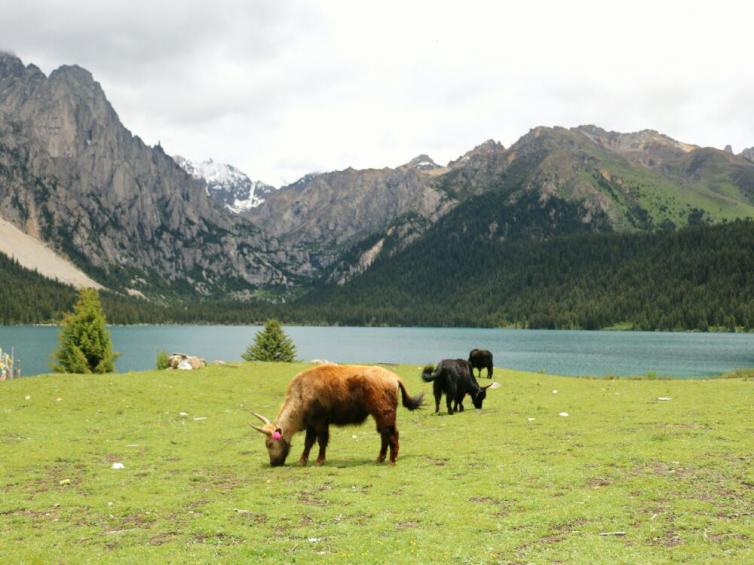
10 65
73 73
226 185
646 147
422 162
748 154
635 141
486 150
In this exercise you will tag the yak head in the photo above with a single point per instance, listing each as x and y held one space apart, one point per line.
481 394
276 444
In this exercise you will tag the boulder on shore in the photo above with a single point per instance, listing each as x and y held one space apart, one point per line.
185 362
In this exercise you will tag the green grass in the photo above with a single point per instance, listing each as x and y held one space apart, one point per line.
514 482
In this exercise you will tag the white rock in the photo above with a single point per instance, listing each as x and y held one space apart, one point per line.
664 398
555 391
564 414
118 466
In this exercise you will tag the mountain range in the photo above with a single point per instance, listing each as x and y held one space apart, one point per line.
139 221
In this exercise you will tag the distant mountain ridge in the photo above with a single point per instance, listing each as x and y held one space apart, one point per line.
227 186
611 181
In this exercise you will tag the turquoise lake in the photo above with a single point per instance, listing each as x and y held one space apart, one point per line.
596 353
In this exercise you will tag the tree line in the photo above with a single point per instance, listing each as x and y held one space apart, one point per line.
696 278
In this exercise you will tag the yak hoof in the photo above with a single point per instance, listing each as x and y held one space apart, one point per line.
319 462
303 462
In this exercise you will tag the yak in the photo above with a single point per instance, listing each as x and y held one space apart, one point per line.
340 395
454 378
481 359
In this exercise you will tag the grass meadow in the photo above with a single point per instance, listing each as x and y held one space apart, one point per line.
622 478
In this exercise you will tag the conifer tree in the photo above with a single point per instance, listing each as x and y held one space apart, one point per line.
85 344
271 344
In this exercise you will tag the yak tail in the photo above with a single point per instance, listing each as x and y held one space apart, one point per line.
410 402
428 374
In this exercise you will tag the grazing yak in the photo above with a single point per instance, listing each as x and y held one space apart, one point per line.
454 378
481 359
339 395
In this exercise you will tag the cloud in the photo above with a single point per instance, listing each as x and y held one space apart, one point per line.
280 88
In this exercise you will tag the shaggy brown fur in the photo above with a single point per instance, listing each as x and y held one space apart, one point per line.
340 395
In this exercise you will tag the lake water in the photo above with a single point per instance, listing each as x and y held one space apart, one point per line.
596 353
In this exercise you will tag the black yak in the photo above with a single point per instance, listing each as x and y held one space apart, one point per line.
481 359
454 378
339 395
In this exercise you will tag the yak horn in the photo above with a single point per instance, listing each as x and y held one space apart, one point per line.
492 386
261 430
265 420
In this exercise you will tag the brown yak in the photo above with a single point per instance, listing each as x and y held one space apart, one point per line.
338 395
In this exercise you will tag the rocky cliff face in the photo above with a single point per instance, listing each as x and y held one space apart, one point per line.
748 154
227 186
72 175
328 213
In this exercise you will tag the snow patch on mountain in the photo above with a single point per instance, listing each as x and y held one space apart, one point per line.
226 185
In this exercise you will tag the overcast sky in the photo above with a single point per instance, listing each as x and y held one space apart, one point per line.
284 87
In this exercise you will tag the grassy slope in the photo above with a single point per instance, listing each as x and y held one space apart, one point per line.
668 193
676 476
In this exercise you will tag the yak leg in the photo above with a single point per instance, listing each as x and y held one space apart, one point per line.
384 439
389 436
459 404
489 372
311 437
438 395
322 437
450 397
394 445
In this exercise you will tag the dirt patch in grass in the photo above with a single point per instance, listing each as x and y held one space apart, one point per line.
251 518
438 461
485 500
569 526
135 521
162 538
216 538
671 538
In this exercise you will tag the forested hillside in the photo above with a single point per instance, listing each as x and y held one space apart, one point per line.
696 278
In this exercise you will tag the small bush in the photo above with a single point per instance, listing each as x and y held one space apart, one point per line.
271 344
85 343
162 360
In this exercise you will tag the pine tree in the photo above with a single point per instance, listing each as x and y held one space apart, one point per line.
85 344
271 344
